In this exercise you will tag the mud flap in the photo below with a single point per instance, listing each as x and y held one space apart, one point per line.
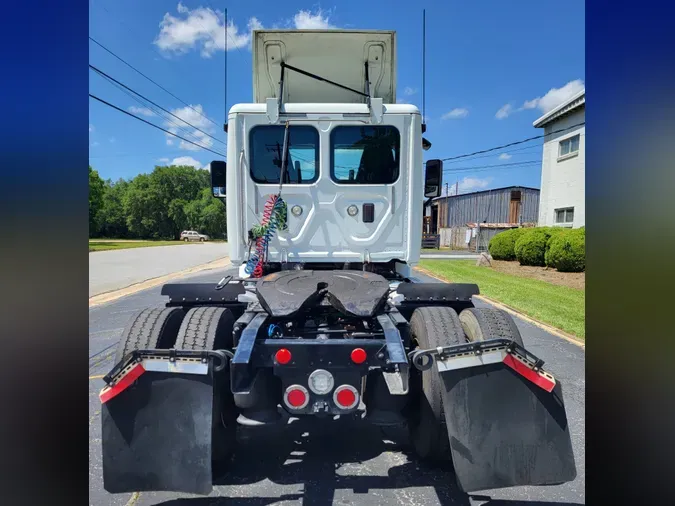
505 430
156 432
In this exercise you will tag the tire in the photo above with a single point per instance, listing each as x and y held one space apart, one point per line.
480 324
431 327
151 328
206 328
210 328
201 239
186 239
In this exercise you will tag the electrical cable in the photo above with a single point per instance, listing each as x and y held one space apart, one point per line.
156 126
153 82
513 143
109 77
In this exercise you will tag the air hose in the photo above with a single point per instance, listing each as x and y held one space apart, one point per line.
274 217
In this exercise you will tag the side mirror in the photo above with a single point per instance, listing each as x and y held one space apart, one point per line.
433 179
218 178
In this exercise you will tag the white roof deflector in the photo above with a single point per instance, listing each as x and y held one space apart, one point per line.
334 55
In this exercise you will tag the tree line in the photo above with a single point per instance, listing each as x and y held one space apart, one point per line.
158 205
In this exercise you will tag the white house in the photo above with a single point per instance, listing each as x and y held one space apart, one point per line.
563 189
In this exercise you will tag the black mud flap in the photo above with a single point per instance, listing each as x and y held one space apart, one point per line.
505 430
156 434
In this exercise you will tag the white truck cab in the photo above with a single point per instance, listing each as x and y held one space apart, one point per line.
354 183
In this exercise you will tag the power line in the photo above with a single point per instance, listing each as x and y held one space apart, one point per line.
484 169
153 82
156 126
178 127
513 143
507 152
153 103
454 169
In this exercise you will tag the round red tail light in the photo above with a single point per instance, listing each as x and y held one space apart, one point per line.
296 397
282 356
346 397
359 355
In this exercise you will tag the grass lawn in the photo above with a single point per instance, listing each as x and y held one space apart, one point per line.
559 306
95 245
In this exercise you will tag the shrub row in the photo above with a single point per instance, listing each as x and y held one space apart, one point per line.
564 249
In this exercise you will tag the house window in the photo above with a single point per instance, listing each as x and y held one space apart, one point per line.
564 217
569 146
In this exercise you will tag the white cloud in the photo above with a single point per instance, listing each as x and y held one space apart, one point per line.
143 111
554 97
195 116
201 28
504 156
91 127
402 101
409 91
504 111
163 160
94 144
469 184
186 160
457 113
112 140
306 20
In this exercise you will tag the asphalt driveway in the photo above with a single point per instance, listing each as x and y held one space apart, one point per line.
341 463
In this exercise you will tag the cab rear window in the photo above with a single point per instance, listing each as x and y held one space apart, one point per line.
266 148
365 154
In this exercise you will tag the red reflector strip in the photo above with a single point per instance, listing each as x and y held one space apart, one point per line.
529 374
125 382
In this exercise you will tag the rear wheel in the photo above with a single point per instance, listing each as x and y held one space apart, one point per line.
481 324
152 328
201 239
431 327
210 328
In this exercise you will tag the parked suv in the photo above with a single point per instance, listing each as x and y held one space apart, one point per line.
191 235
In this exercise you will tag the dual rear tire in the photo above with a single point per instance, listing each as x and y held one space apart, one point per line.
432 327
200 328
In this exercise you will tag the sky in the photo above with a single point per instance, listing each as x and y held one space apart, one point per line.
493 68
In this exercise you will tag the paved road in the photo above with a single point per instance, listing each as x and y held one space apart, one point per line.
115 269
343 463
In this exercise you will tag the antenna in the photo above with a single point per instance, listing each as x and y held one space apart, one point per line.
226 34
424 70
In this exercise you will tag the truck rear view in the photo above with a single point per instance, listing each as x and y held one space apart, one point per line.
325 187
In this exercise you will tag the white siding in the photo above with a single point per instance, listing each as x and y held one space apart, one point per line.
563 181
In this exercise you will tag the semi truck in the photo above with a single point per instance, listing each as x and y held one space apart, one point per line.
323 315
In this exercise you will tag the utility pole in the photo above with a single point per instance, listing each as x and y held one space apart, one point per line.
447 204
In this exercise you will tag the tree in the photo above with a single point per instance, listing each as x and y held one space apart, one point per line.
112 218
96 189
207 215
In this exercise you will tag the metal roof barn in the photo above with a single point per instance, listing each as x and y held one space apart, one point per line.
512 204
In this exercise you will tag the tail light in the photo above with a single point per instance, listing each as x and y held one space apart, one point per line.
296 397
346 397
282 356
358 355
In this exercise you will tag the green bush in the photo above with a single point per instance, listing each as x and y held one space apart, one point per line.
567 251
554 232
530 248
501 246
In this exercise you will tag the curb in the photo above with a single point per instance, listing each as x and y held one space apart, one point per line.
544 326
105 297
